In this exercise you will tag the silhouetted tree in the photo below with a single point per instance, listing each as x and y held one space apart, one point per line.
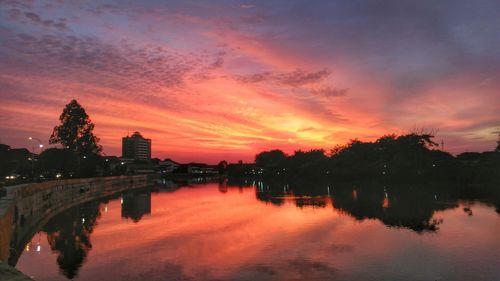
76 131
270 159
56 160
409 157
222 167
306 163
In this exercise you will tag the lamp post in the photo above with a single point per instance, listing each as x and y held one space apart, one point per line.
40 145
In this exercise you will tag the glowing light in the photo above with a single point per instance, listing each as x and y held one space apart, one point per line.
385 203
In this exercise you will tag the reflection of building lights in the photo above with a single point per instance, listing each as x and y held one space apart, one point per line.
385 203
38 248
28 248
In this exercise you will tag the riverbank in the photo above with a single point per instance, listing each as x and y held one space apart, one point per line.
8 273
26 207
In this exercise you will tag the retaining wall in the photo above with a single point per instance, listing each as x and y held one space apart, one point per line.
27 207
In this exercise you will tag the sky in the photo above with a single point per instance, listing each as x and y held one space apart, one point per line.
214 80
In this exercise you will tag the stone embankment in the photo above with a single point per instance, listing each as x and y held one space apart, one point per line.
25 208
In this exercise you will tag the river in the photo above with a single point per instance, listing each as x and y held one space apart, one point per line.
259 231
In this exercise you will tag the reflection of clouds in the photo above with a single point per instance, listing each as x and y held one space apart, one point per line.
167 270
311 269
341 248
266 269
198 233
299 268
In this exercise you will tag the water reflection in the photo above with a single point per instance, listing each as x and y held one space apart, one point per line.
248 230
136 204
408 206
68 235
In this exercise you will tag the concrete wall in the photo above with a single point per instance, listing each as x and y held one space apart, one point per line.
27 207
6 216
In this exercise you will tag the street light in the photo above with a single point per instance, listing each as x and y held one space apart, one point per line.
40 145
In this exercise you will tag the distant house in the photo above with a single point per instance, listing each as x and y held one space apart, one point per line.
20 158
197 169
201 168
168 166
20 154
140 168
110 164
469 158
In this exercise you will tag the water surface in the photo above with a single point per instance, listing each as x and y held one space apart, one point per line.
216 231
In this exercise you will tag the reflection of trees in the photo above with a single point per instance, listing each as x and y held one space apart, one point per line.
277 192
315 202
408 206
275 199
68 234
488 194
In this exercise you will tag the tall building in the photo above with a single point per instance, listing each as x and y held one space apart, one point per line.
136 147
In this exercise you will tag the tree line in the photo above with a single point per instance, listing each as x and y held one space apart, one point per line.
407 157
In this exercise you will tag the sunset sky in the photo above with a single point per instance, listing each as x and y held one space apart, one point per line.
213 80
